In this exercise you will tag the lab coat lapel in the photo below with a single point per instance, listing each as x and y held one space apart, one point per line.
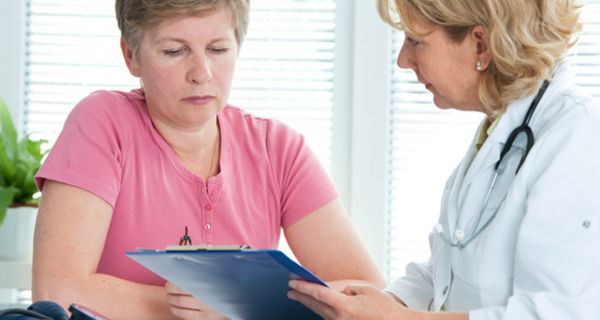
489 154
487 157
454 190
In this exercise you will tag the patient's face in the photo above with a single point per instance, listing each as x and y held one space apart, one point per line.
186 65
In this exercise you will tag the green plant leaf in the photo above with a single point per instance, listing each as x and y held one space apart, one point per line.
34 148
19 162
8 134
7 164
26 186
8 146
6 198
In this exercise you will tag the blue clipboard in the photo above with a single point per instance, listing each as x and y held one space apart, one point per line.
242 284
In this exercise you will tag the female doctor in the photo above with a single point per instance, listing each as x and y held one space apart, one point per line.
519 231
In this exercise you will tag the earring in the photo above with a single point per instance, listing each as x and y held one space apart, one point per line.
478 66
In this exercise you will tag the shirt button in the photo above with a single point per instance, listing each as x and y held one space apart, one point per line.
445 290
213 193
207 207
207 227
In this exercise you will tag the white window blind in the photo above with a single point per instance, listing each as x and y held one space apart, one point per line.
285 69
427 143
72 49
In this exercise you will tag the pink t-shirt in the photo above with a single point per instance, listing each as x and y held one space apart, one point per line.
269 179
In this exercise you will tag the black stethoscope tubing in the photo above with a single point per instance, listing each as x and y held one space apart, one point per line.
523 128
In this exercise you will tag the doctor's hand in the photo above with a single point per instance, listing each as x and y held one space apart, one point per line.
184 306
354 302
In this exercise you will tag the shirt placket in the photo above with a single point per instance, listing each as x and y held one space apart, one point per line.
208 195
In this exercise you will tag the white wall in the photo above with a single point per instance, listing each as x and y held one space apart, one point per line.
12 28
369 128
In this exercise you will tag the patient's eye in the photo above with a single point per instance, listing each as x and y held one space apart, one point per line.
218 50
174 52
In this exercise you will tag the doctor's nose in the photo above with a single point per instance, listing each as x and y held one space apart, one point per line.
405 59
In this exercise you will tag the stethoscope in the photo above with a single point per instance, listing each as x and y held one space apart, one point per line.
462 239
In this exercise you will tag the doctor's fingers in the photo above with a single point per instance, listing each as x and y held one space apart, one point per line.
355 290
330 303
320 293
320 308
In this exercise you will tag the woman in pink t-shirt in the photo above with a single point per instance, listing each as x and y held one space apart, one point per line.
134 169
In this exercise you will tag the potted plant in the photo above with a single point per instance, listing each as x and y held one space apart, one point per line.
20 159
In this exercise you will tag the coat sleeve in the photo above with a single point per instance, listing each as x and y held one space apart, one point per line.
415 289
557 255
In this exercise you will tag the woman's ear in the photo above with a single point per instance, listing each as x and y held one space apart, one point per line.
130 60
479 36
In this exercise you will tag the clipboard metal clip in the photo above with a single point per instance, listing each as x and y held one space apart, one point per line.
208 247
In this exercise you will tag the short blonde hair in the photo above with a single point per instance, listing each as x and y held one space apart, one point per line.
135 16
527 38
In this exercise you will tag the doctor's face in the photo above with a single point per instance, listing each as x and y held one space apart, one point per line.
444 66
186 66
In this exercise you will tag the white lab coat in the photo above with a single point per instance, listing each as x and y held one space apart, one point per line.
540 257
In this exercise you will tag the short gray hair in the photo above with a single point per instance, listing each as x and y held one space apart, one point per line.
135 16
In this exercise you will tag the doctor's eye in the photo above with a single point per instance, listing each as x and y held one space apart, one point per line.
412 42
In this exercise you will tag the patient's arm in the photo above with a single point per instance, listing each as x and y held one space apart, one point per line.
326 243
69 238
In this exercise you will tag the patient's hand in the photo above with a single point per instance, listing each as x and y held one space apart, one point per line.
184 306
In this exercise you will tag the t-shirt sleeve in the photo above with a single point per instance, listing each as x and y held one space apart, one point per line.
304 184
87 153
